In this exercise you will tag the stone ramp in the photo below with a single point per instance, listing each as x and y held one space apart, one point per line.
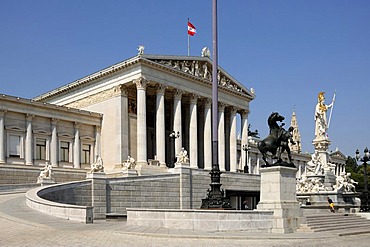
341 224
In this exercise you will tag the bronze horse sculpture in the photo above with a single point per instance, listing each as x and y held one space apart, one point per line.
276 141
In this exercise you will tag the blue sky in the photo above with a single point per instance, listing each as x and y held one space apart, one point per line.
287 50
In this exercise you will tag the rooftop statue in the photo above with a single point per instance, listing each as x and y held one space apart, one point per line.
140 50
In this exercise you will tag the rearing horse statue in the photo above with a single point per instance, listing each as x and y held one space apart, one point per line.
272 142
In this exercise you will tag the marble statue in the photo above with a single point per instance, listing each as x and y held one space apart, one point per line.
129 164
345 183
182 157
140 50
314 166
206 52
97 166
46 172
321 123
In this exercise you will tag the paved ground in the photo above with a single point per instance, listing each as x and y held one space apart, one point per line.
22 226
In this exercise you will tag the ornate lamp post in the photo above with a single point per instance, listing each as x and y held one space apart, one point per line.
365 194
246 148
173 137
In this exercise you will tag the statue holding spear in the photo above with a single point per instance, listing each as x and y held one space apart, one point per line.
321 123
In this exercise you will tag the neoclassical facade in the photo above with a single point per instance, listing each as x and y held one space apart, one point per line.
32 133
130 109
147 97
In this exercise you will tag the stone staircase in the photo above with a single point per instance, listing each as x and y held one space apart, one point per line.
340 223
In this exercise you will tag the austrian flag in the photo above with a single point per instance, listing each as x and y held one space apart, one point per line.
191 29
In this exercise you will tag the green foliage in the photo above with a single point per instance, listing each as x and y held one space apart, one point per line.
357 172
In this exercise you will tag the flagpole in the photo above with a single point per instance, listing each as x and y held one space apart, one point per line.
188 41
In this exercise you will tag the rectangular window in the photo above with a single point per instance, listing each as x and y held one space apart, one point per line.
14 146
86 154
40 149
64 151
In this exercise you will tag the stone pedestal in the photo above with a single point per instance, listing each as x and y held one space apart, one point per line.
45 181
98 194
129 173
143 169
278 194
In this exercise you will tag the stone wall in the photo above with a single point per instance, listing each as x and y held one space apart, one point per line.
20 174
158 191
76 193
166 190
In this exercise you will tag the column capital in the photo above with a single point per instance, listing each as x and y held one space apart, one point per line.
177 94
54 121
77 125
2 113
161 88
121 89
233 110
141 83
97 128
221 106
193 98
207 102
244 113
29 117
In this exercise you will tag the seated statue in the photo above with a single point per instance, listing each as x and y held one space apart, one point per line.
129 164
182 157
98 165
46 172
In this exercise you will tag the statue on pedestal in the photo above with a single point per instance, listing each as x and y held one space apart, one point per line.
97 166
321 123
46 172
277 141
129 164
182 157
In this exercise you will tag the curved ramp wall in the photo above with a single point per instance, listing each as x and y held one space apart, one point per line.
70 201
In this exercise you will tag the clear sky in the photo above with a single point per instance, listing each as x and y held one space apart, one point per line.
287 50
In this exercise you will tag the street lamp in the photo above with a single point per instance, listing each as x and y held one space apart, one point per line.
246 149
173 137
365 193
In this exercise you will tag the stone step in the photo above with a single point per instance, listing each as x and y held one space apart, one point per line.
340 223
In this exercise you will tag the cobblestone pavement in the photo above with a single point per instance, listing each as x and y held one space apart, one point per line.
22 226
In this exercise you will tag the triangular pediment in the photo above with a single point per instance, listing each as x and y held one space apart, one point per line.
338 154
200 68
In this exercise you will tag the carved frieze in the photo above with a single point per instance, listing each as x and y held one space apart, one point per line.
202 70
99 97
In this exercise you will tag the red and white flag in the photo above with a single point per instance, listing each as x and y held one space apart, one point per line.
191 29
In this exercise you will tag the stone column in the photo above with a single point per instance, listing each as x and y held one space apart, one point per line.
141 84
122 133
244 126
54 143
193 131
160 126
97 140
207 135
77 147
221 136
233 135
177 119
2 136
28 149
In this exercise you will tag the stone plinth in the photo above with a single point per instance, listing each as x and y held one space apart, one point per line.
99 194
143 169
204 220
278 194
45 181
